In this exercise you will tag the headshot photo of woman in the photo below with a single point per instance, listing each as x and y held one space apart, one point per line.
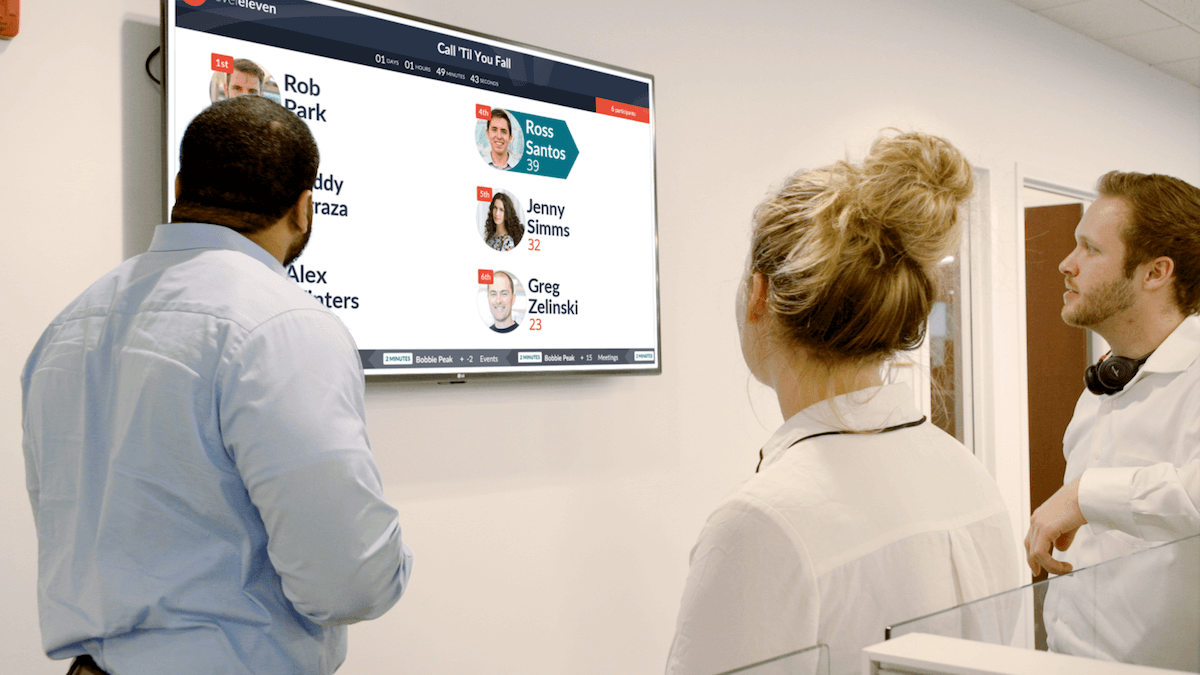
502 228
861 513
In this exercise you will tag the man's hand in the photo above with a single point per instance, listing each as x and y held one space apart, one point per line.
1054 523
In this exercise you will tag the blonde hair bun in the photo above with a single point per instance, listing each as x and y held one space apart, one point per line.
903 200
914 184
850 251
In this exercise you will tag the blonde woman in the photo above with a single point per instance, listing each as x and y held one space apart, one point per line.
862 513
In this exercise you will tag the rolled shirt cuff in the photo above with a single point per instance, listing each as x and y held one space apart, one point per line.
1153 503
1105 499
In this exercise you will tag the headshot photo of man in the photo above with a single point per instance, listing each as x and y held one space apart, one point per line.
501 295
247 78
499 151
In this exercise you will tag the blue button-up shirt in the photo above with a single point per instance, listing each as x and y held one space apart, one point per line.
197 460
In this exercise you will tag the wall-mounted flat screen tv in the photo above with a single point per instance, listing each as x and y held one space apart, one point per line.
483 207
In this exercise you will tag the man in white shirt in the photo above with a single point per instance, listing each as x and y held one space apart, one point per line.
1133 445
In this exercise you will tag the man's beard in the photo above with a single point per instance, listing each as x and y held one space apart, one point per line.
297 246
1100 304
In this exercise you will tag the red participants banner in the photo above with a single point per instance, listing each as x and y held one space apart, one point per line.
629 112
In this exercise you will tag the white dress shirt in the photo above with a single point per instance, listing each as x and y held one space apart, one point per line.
840 536
1136 453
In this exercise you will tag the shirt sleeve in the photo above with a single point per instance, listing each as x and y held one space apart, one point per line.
1156 503
293 420
751 593
29 437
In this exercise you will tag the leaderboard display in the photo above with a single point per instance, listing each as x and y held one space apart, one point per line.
482 207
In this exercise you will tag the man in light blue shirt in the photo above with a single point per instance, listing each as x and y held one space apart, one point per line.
195 441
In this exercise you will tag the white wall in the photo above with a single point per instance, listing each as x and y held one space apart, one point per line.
560 545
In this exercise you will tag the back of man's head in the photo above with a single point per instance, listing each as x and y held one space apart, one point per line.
243 163
1164 221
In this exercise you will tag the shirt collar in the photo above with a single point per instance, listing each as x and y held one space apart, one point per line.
1179 350
862 410
189 236
1176 353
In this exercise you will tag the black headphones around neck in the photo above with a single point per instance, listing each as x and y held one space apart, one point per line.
1112 373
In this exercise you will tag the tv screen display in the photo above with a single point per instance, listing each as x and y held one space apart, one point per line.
483 207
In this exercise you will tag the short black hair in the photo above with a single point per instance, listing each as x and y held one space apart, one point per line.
500 114
243 163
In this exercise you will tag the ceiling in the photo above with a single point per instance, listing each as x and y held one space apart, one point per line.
1162 33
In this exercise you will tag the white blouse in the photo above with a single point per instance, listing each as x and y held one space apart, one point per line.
839 536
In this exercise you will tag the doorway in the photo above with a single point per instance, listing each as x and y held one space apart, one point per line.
1057 354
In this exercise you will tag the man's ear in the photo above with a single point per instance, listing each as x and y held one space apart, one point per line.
1157 273
756 297
302 211
178 185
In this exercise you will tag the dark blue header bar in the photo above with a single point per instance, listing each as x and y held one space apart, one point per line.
346 35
